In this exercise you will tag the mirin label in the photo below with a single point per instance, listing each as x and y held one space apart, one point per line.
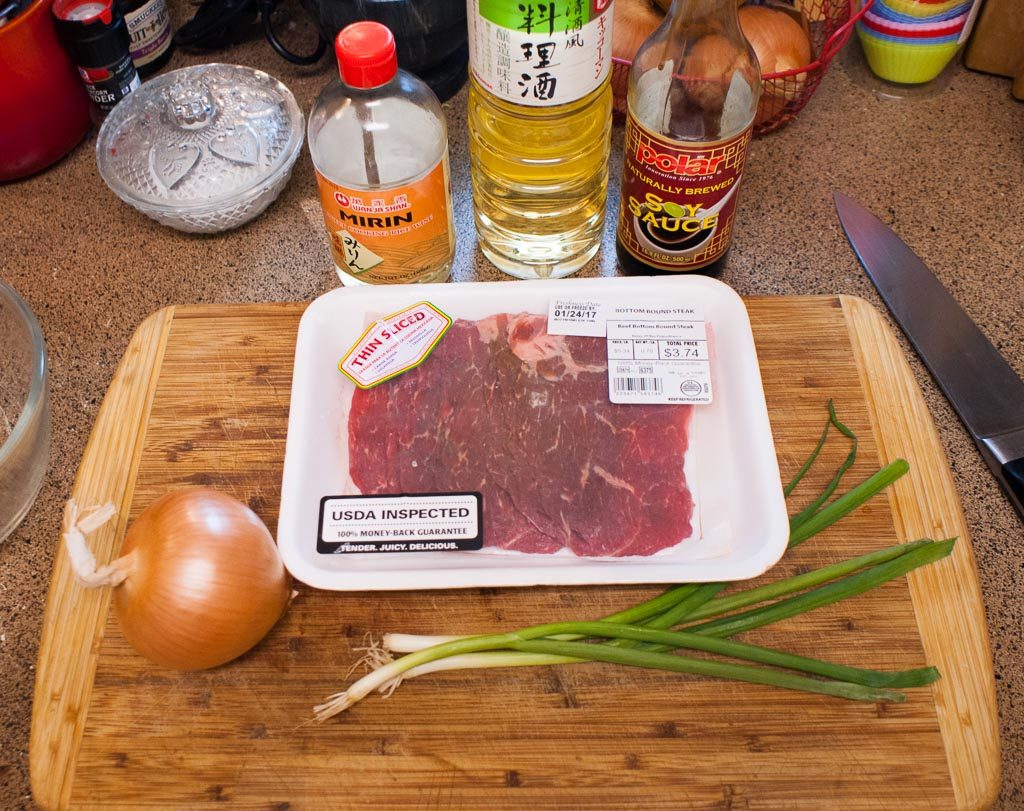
678 198
398 234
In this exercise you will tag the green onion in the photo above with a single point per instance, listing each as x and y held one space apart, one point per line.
679 612
730 625
672 640
704 667
780 588
806 466
824 595
407 643
818 521
848 502
520 641
801 517
912 558
855 584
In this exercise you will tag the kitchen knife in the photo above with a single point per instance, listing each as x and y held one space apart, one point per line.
986 393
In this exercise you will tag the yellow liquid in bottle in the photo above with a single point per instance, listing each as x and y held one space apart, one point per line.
540 177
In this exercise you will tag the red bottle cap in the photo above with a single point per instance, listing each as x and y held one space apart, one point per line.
366 54
84 11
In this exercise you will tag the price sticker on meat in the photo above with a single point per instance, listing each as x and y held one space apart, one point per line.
658 360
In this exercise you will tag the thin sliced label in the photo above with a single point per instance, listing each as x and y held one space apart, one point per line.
394 344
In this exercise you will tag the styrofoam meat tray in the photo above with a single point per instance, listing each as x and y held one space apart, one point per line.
740 527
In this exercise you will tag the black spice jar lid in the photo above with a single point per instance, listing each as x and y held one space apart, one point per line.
94 30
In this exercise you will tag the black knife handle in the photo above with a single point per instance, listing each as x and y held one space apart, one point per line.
1004 454
1013 483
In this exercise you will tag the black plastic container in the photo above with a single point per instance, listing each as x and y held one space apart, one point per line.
94 32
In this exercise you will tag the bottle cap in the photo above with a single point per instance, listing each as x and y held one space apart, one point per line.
366 54
84 11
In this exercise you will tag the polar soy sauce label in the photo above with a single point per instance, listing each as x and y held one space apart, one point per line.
678 199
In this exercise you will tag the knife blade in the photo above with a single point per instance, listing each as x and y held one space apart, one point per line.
978 382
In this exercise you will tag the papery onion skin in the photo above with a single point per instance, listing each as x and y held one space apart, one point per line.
778 40
781 44
633 23
205 580
712 58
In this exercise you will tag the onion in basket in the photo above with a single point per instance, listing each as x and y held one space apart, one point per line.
633 23
711 57
781 43
778 34
199 581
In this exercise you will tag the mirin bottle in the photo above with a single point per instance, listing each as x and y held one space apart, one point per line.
380 148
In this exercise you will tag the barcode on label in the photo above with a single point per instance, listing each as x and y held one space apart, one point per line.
651 385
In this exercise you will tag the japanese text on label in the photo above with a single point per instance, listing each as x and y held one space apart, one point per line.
540 53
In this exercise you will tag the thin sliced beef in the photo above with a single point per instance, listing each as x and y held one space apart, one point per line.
504 408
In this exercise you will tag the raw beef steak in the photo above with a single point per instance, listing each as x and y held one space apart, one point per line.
523 417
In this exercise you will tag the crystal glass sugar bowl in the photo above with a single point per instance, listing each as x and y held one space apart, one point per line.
202 149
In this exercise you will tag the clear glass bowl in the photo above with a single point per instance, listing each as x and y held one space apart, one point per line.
202 149
24 410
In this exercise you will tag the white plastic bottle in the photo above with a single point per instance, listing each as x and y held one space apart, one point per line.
379 145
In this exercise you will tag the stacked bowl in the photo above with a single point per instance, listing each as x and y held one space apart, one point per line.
911 41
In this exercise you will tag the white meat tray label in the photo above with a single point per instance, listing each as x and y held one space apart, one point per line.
658 360
576 317
432 522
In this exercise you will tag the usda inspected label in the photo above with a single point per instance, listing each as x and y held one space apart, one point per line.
433 522
658 358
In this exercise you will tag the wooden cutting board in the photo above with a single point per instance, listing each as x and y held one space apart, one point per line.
201 397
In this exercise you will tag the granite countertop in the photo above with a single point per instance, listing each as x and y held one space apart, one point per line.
945 170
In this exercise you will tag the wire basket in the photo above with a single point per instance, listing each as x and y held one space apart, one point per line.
784 94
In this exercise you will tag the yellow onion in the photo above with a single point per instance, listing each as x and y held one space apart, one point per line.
633 22
781 43
708 68
199 581
813 10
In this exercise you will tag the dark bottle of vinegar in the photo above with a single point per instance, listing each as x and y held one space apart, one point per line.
149 27
693 92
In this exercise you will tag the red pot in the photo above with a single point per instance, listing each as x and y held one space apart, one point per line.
44 109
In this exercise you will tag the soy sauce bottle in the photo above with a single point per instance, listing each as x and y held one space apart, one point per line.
693 92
